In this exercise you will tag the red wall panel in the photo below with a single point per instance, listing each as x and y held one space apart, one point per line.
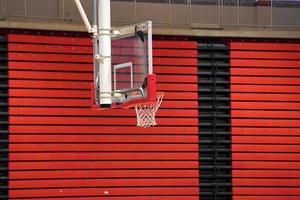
62 149
265 121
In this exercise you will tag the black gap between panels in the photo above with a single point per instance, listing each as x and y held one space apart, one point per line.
3 119
214 120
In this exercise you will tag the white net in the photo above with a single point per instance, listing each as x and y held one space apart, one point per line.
145 113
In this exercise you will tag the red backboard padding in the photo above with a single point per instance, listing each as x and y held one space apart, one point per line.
62 149
265 102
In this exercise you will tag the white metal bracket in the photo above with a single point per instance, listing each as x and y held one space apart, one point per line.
101 58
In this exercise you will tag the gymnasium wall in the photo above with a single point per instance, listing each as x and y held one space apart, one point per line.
60 148
265 120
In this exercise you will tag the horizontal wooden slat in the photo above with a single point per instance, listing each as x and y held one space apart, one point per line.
265 191
175 53
85 192
74 85
177 87
67 49
84 94
43 84
38 102
67 40
265 123
44 57
39 75
266 89
265 46
265 131
265 165
265 97
265 114
110 173
265 140
21 47
264 105
265 55
78 94
114 147
187 182
157 197
54 66
110 138
27 120
265 80
101 156
80 67
160 70
27 111
265 148
266 156
175 61
46 39
264 197
246 173
265 63
49 102
176 79
267 182
99 130
166 44
104 165
264 72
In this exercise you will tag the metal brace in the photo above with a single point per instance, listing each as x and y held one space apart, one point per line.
142 27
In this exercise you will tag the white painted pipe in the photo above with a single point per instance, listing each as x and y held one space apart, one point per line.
83 16
150 61
104 28
96 48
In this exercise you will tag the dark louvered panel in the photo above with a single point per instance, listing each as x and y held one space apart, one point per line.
3 119
214 121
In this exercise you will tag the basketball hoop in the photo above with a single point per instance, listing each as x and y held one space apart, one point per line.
145 112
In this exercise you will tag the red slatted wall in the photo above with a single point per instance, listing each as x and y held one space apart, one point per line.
60 148
265 86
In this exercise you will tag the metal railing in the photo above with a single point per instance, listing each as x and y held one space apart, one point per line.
188 13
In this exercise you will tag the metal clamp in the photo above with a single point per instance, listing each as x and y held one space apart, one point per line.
115 32
101 57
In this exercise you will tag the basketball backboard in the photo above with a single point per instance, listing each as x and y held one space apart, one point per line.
123 72
132 75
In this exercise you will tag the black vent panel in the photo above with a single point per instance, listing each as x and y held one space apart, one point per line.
3 119
214 120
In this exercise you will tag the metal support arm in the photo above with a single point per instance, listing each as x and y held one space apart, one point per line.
84 17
